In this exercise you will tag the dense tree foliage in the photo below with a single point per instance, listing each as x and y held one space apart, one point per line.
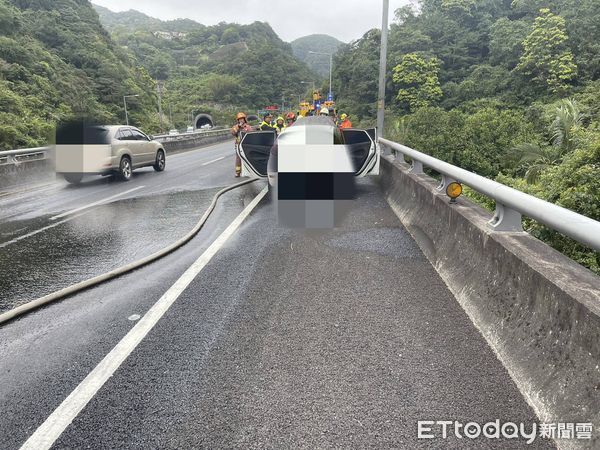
547 57
519 100
417 81
56 61
215 68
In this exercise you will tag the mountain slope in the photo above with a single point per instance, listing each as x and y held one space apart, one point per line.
219 66
56 61
136 20
320 43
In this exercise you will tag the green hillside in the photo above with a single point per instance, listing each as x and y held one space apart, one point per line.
320 43
135 20
509 89
56 61
211 67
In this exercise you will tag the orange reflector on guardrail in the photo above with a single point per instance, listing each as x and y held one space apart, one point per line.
454 190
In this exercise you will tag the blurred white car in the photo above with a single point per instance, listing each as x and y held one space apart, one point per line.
173 132
189 130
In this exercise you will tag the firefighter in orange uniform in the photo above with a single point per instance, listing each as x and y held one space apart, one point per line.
241 125
345 121
290 119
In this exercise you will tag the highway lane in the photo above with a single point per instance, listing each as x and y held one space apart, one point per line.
183 173
64 234
342 338
46 354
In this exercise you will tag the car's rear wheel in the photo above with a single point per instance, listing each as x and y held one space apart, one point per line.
125 169
73 178
161 161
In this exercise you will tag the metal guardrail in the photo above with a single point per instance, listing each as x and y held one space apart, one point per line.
15 157
511 204
194 135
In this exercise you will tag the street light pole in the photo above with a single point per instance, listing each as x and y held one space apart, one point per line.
309 82
159 86
126 115
331 76
125 97
382 69
330 70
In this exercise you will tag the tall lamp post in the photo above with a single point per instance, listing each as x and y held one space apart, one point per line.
309 82
159 87
125 97
330 96
382 69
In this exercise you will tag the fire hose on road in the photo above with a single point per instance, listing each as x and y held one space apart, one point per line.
86 284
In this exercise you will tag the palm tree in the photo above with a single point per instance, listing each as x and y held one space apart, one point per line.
400 130
568 119
537 158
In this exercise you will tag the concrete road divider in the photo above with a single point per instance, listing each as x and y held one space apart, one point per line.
539 310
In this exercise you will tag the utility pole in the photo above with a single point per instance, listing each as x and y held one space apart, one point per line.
382 69
125 97
159 87
313 86
170 114
330 96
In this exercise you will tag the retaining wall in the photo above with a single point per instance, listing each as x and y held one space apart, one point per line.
539 310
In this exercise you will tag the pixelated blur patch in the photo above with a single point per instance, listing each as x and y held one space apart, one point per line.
315 177
82 146
316 186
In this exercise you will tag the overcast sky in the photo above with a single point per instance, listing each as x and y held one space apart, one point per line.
343 19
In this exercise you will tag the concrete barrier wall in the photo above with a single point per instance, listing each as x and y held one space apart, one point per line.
539 310
23 173
175 146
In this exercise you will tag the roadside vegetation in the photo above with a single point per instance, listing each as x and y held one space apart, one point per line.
210 68
56 61
507 89
64 59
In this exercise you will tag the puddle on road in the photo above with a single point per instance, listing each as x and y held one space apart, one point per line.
104 238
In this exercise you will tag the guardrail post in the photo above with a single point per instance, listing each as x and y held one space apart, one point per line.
417 167
400 157
506 219
446 181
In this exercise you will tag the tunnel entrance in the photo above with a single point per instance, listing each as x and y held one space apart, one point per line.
202 120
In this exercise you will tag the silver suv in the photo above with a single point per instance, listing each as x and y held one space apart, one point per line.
104 150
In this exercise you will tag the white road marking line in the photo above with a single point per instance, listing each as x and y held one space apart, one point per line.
213 161
47 434
99 202
27 189
33 233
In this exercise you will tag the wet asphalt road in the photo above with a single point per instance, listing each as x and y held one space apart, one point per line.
287 339
40 253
